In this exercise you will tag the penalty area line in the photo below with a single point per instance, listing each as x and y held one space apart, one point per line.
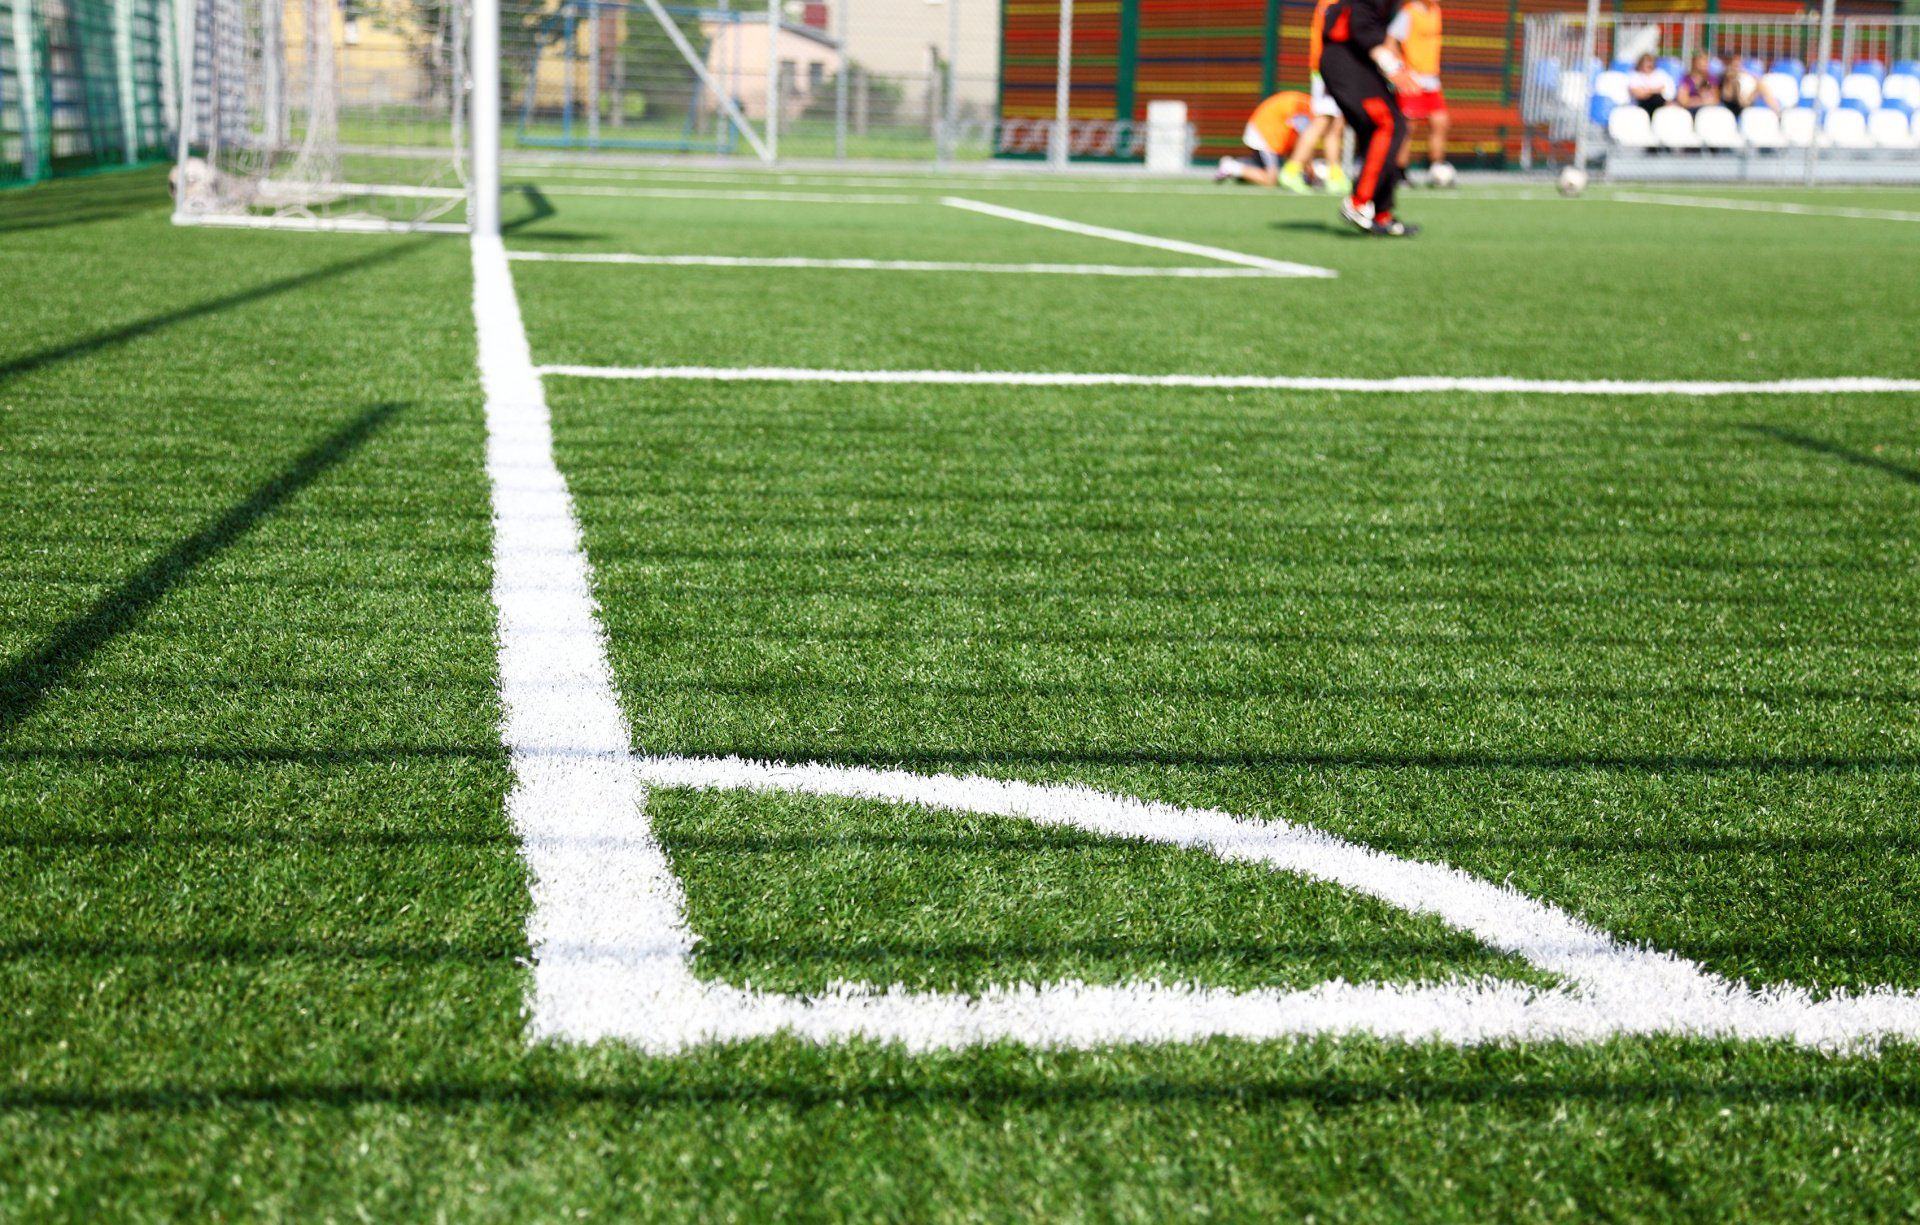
1278 267
1408 385
890 265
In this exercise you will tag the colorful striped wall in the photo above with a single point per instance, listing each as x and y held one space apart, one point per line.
1222 56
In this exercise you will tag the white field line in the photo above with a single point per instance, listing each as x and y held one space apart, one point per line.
319 225
885 265
928 182
613 950
1242 382
697 193
1762 206
1278 266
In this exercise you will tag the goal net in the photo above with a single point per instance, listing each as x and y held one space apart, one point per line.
325 114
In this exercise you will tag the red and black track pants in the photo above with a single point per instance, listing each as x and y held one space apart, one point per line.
1379 129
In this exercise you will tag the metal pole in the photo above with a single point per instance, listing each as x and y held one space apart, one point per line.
773 82
840 83
273 59
33 159
123 63
1059 146
1820 86
1589 40
593 74
484 210
951 120
734 114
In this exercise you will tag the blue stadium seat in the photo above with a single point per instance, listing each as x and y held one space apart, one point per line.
1872 68
1671 66
1898 106
1790 66
1910 68
1600 108
1856 104
1623 65
1754 66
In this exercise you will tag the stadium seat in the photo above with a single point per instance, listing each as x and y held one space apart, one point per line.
1871 68
1629 126
1761 127
1860 87
1784 88
1797 126
1573 92
1790 66
1754 66
1671 66
1673 128
1599 109
1901 87
1717 128
1827 87
1613 87
1910 68
1846 128
1891 129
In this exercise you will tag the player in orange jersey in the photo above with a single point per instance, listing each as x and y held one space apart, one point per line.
1272 132
1416 32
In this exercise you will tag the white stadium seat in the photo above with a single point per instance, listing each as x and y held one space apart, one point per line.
1890 130
1829 89
1673 128
1613 87
1797 125
1847 129
1761 127
1784 88
1629 126
1718 129
1901 88
1860 85
1573 92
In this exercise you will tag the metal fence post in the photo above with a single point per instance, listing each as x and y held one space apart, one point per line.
773 81
840 83
1820 86
1059 144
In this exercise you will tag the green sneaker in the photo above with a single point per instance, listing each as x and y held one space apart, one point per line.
1338 184
1293 180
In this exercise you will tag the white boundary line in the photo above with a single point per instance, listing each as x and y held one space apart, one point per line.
612 948
1277 266
1761 206
696 193
1242 382
886 265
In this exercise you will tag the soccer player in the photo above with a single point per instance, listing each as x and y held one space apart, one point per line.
1272 132
1326 128
1365 77
1416 34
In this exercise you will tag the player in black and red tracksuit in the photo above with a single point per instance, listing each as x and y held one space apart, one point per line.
1362 72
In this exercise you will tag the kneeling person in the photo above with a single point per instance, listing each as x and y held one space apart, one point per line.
1272 131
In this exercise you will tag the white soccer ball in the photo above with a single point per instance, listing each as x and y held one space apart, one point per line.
191 183
1573 181
1443 174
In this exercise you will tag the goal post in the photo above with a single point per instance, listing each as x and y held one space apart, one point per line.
336 114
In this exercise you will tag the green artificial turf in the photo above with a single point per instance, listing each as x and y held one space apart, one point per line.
264 931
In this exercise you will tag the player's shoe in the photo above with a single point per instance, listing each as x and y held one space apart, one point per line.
1360 216
1228 169
1393 228
1293 180
1338 184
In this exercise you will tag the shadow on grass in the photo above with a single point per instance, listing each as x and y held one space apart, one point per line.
54 354
25 683
1820 446
105 197
706 1085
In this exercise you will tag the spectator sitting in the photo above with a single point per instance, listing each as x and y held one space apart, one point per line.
1699 87
1649 86
1740 89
